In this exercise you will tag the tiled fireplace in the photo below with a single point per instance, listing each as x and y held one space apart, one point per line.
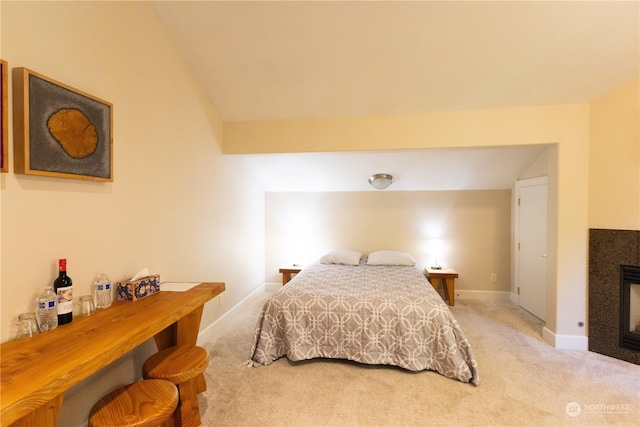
614 294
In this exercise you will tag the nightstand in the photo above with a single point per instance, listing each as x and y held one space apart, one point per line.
288 271
447 277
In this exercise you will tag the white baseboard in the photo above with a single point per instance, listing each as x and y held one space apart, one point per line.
213 330
565 342
483 295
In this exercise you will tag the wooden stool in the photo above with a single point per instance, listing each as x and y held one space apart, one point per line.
143 403
183 366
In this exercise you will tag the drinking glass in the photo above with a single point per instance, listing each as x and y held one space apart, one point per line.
87 307
27 325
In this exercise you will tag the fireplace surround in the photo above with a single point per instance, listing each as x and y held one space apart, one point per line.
609 252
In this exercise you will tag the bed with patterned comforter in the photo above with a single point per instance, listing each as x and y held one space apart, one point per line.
378 315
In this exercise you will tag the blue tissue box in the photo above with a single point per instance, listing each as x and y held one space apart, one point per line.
131 290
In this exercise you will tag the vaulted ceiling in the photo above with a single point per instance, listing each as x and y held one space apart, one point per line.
269 60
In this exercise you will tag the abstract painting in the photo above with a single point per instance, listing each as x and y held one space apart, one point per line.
60 131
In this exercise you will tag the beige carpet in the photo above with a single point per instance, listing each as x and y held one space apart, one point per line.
523 382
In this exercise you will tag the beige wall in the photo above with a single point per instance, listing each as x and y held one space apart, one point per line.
479 128
176 205
614 160
474 227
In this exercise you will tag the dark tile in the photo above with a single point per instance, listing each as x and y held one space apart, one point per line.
604 310
601 341
605 285
608 250
606 341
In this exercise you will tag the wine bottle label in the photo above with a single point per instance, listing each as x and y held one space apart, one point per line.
65 300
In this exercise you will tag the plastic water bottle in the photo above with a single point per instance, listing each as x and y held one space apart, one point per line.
47 313
103 292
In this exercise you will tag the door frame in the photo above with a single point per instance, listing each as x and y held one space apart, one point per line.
542 180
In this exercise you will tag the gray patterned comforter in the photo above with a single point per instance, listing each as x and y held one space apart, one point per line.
379 315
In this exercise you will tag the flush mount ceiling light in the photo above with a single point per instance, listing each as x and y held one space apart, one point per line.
380 181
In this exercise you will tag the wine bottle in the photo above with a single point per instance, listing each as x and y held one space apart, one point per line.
63 286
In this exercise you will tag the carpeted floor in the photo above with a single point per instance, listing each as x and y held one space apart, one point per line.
523 382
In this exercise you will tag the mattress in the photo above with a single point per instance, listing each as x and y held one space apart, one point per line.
378 315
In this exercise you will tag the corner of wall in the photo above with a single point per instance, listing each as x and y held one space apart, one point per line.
565 342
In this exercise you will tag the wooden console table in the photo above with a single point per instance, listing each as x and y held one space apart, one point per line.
35 372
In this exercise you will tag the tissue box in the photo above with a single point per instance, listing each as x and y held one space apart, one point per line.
132 290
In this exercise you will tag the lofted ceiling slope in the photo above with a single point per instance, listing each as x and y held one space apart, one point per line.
268 60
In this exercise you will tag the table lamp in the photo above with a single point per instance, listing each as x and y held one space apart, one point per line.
436 245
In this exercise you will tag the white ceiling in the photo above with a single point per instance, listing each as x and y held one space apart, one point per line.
463 169
269 60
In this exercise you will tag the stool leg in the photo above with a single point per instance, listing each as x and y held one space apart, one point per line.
201 384
193 392
188 412
184 416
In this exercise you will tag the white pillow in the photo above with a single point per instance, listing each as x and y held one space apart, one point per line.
390 258
341 256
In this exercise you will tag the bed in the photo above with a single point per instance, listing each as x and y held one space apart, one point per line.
372 314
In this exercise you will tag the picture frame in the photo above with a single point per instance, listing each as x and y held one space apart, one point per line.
4 117
60 131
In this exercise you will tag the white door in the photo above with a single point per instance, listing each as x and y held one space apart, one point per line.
532 233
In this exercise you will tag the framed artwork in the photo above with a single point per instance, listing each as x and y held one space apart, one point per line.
4 116
60 131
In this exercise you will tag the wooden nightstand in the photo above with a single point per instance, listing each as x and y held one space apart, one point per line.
288 271
447 277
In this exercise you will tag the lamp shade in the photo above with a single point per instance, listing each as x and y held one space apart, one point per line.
380 181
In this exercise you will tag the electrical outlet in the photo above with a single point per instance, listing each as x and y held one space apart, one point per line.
494 277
